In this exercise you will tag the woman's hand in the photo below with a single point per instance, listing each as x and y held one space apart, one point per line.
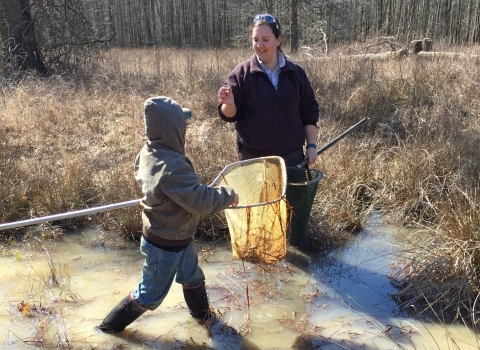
225 98
311 152
225 95
311 155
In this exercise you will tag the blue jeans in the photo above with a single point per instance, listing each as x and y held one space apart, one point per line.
159 270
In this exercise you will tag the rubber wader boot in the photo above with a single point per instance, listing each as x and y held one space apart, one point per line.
197 301
126 311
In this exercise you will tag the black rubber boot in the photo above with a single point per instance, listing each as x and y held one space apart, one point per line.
197 301
126 311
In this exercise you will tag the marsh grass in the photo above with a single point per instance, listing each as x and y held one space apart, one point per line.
441 276
69 143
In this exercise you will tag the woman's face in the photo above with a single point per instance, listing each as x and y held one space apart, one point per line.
264 43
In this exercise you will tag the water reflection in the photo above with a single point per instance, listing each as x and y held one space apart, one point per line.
332 300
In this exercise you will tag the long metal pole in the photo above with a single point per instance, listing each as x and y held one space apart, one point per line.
334 141
70 214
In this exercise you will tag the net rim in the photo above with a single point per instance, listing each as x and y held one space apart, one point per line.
257 204
254 160
306 183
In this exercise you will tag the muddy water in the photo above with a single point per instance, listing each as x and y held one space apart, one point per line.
53 295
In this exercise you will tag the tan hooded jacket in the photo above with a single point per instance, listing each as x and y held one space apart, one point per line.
173 198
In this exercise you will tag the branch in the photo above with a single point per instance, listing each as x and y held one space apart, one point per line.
96 41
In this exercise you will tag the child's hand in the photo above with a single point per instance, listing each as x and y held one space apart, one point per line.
235 201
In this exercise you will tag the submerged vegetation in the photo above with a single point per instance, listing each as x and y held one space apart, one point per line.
68 143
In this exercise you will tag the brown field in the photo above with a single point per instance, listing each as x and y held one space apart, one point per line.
69 142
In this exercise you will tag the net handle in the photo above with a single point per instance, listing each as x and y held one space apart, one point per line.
334 141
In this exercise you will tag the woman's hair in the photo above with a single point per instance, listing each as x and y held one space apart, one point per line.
270 21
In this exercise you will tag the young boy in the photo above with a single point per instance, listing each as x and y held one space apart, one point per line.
172 204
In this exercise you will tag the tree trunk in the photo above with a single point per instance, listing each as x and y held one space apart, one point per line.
24 53
294 27
269 6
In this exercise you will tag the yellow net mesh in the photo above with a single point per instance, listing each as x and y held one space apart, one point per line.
258 224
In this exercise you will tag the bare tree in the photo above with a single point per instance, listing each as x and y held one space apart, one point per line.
294 26
269 5
51 35
21 41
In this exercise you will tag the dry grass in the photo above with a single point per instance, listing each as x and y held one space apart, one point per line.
69 143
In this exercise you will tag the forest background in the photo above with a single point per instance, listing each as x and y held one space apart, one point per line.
74 75
56 31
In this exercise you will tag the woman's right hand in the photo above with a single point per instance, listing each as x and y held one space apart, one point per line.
225 95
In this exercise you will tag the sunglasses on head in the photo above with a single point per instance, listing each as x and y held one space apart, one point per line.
267 18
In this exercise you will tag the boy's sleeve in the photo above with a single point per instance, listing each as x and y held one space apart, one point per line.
184 188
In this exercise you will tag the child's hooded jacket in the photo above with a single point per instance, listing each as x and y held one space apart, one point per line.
173 198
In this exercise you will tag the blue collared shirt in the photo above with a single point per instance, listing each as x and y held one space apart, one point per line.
273 76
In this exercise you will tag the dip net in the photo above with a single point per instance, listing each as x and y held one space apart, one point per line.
258 224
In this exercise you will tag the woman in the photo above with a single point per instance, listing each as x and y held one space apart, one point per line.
271 101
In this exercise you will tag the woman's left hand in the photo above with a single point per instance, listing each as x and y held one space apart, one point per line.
311 155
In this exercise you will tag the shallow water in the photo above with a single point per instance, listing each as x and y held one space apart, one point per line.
333 300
